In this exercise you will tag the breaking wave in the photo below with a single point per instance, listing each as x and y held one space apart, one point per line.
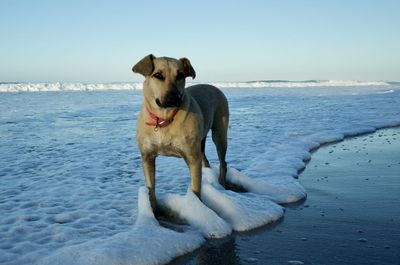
58 86
308 83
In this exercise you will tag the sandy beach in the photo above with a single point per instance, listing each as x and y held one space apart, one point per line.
351 214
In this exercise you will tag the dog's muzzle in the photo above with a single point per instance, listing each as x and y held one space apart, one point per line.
171 100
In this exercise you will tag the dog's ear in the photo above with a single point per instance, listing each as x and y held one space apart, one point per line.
187 67
144 66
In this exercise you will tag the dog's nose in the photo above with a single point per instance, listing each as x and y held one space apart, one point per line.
174 95
158 102
172 99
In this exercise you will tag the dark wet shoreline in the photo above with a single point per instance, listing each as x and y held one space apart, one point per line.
351 214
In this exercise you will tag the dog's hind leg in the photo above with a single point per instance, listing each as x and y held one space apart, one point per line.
220 139
204 159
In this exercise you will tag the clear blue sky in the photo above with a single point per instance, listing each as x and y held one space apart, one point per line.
99 41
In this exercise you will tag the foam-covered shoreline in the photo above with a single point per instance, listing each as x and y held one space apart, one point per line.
229 211
350 185
70 170
60 86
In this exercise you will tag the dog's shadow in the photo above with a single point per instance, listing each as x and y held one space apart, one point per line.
235 187
171 220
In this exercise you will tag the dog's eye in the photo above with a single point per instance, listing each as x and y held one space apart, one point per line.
180 76
159 76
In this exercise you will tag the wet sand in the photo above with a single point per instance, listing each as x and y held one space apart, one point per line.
351 214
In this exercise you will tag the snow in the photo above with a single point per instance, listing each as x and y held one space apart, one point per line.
72 187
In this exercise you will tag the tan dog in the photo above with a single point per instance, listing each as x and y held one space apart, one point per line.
174 121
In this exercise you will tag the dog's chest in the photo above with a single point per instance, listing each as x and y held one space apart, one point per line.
165 144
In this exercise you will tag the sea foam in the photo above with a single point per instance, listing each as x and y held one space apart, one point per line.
58 86
72 189
147 242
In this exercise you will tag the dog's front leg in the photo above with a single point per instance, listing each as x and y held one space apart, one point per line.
194 164
149 165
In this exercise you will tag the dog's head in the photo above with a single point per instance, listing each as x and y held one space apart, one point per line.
164 79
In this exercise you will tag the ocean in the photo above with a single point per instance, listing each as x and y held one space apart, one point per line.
71 181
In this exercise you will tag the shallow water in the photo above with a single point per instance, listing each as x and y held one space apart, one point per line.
351 212
70 170
350 215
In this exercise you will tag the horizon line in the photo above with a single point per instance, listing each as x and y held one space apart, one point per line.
219 81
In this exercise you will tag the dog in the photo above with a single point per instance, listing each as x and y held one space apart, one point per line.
174 120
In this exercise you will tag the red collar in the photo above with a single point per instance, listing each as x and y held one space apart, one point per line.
160 123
